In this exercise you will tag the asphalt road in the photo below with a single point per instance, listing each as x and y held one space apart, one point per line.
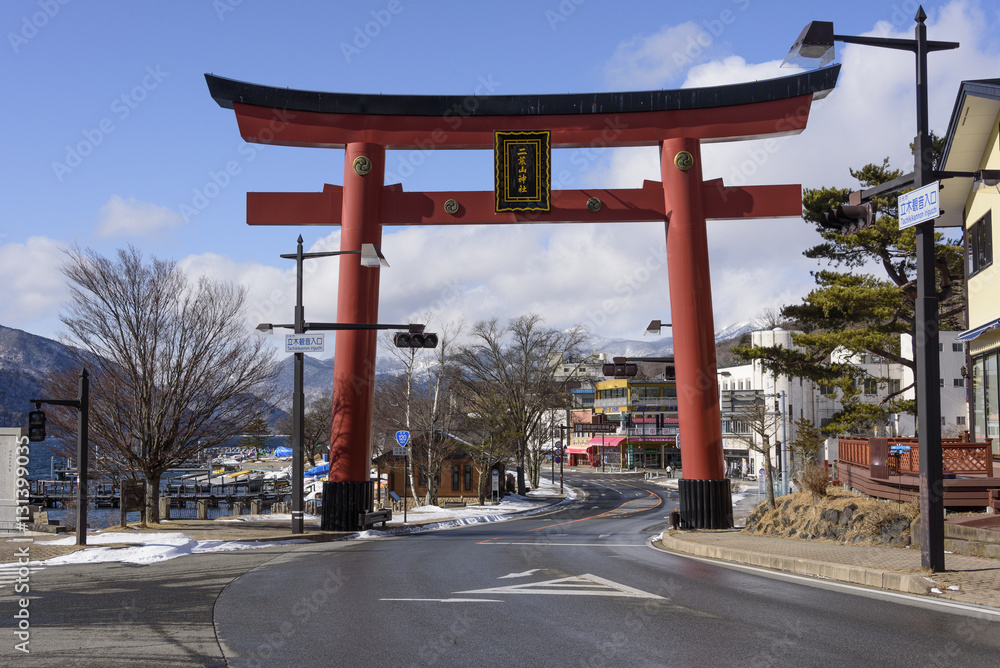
574 586
578 586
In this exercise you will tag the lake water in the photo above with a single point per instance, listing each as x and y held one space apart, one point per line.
43 460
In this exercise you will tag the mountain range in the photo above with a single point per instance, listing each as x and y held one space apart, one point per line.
26 360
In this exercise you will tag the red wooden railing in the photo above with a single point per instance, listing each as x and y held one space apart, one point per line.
958 457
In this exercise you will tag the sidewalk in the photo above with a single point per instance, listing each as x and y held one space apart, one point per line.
967 579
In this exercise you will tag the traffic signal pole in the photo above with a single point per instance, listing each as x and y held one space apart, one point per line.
82 406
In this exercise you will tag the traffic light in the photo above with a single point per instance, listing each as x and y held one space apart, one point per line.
849 219
620 368
36 426
415 340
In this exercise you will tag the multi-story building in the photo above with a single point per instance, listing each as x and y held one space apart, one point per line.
646 414
792 399
971 145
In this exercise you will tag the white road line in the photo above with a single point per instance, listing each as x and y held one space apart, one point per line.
447 600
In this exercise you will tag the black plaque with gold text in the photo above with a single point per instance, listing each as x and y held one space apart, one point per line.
522 170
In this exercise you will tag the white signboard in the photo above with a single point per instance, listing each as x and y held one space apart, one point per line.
14 457
399 451
304 343
496 480
919 206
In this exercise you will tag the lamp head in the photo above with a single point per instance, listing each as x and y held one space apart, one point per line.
814 47
371 256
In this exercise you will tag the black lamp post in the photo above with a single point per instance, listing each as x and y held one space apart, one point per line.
370 257
817 43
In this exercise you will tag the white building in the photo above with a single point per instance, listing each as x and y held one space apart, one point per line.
954 398
797 398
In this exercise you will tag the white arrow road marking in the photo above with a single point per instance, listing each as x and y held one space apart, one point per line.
583 585
519 575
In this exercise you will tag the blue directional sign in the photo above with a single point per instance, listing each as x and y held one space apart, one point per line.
402 437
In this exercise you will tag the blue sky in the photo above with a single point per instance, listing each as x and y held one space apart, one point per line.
110 138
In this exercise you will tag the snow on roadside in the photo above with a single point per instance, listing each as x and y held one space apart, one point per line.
150 548
146 548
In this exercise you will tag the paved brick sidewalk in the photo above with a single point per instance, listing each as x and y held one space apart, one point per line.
977 578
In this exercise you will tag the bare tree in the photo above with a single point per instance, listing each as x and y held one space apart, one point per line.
173 368
517 365
756 426
429 407
316 426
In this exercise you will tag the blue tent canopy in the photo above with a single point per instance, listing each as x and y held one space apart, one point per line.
317 471
283 451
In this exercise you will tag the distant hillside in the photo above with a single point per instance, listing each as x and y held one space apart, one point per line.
26 361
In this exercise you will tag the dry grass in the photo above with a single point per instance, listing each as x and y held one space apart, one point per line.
835 515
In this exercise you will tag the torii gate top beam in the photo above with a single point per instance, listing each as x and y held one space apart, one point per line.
290 117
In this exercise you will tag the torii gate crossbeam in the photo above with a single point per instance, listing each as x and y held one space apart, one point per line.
678 122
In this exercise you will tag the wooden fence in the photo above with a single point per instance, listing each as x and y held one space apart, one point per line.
901 456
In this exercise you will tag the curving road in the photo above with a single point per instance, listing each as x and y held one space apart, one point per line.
575 586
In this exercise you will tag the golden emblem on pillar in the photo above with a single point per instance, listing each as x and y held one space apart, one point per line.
683 161
451 206
594 204
362 165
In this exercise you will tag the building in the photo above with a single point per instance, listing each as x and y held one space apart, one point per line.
797 398
971 144
952 381
645 413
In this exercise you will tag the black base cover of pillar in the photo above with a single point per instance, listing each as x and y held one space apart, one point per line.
706 504
343 502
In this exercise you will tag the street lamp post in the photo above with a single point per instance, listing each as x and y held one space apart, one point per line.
817 42
370 257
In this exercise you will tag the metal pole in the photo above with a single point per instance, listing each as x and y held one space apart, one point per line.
926 337
82 458
784 446
298 410
406 478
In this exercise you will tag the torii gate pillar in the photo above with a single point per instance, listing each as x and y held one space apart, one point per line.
357 302
706 499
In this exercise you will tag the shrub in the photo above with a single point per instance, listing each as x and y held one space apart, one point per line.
814 479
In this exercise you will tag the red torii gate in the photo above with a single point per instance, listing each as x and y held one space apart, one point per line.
677 121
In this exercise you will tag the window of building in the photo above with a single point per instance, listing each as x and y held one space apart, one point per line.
944 420
981 244
894 385
956 346
454 478
871 386
940 347
941 382
960 420
959 382
468 477
825 390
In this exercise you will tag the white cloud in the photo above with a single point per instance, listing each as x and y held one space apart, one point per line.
130 217
33 285
869 116
650 61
